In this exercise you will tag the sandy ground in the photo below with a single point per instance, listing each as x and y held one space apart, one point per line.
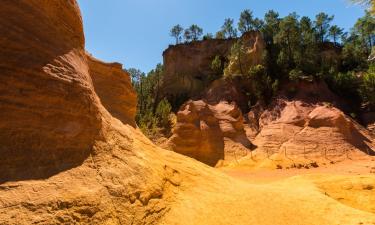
352 183
264 175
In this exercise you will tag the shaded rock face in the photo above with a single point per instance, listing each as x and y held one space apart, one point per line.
187 67
210 133
48 110
312 92
113 86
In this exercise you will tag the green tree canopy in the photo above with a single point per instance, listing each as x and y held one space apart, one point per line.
176 32
335 32
228 30
193 33
322 24
246 22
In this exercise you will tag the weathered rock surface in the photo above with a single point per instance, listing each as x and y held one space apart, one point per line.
49 112
64 159
301 130
112 84
210 133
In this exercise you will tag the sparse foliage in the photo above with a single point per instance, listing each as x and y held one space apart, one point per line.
228 30
176 32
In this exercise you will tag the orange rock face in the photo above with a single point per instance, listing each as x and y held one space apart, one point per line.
64 157
298 130
210 133
113 86
49 112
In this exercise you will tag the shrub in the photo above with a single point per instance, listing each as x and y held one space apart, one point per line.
368 86
162 113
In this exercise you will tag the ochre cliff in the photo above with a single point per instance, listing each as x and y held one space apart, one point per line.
187 67
65 159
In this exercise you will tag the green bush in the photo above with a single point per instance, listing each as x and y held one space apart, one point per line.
163 112
368 86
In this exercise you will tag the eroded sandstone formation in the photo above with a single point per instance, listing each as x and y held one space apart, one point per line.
65 159
210 133
304 121
49 112
308 124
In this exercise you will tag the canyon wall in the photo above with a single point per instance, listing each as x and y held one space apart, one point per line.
69 156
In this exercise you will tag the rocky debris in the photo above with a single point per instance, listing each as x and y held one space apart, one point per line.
210 133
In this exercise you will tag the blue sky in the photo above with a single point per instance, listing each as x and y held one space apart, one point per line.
136 32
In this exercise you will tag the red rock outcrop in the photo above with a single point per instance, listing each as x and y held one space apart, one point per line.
186 66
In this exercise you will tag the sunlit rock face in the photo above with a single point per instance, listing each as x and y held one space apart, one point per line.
114 88
304 125
210 133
